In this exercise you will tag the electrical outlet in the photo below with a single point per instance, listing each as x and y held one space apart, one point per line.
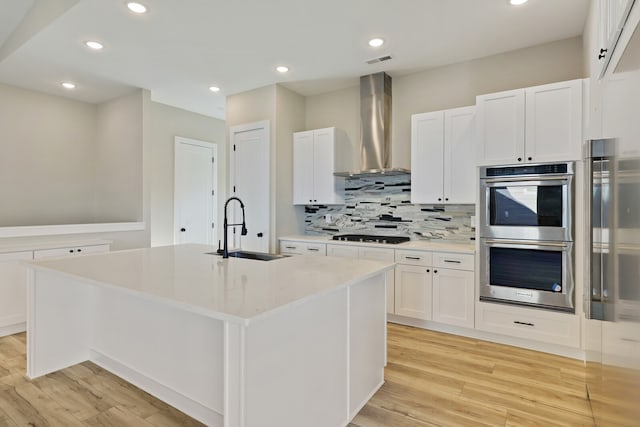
328 219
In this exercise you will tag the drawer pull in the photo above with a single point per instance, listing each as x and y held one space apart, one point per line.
523 323
313 249
70 251
417 258
453 261
291 247
629 340
79 250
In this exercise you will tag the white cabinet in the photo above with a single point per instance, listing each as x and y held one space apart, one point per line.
536 124
344 251
527 323
13 291
443 157
413 291
317 155
302 248
612 19
69 251
453 289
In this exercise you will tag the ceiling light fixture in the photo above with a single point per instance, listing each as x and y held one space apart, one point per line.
93 45
214 89
282 69
136 7
517 2
377 42
68 85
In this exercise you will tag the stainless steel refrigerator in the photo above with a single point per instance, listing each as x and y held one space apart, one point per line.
612 291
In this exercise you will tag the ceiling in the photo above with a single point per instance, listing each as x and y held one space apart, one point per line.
180 48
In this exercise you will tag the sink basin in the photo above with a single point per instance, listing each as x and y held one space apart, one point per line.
260 256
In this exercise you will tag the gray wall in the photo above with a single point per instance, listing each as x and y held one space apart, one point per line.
446 87
164 124
47 151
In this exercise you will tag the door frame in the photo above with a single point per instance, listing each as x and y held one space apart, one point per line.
178 141
265 125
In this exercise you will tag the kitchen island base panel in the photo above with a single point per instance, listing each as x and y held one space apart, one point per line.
315 363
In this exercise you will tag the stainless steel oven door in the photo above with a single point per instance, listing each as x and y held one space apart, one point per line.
528 207
529 273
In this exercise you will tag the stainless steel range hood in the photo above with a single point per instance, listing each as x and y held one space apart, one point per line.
375 128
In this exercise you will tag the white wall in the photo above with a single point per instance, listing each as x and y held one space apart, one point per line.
46 158
445 87
164 124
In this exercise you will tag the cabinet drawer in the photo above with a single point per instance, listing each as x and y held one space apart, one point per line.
526 323
378 254
298 248
404 256
453 261
69 251
342 251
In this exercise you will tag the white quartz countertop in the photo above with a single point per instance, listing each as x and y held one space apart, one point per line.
234 289
468 248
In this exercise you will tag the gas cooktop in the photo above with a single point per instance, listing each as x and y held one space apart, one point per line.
392 240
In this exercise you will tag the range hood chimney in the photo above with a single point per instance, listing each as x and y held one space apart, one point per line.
375 128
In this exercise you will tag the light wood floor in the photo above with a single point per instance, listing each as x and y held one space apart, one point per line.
435 379
432 379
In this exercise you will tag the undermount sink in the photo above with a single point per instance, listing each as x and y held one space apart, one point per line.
260 256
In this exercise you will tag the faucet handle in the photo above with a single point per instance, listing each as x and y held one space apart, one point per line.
244 230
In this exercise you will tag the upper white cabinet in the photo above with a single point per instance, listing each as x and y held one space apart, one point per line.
612 20
316 157
443 157
532 125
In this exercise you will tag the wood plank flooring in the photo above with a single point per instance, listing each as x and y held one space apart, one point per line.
435 379
432 379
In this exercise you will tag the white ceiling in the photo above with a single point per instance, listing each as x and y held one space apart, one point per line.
180 48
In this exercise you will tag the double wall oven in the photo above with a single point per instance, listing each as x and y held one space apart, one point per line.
526 235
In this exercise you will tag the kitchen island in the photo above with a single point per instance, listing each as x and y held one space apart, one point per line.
234 342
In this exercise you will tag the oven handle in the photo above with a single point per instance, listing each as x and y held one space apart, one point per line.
528 243
530 178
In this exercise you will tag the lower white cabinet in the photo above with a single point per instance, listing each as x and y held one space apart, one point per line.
528 323
302 248
413 291
453 297
69 251
13 290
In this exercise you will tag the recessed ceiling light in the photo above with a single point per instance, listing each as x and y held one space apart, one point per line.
93 45
377 42
214 88
136 7
517 2
282 69
68 85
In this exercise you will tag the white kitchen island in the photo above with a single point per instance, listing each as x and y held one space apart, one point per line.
298 341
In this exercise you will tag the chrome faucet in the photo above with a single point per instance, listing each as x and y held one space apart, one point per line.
243 232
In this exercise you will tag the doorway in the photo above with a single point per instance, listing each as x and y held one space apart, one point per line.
195 191
249 176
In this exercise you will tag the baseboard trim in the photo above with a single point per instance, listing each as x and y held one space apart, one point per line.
12 329
183 403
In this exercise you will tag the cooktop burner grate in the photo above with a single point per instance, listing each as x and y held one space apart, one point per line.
392 240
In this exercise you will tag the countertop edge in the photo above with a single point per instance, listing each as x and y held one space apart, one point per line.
451 247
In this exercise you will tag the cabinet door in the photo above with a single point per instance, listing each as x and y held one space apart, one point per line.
453 297
13 290
303 168
69 251
500 127
459 156
413 291
554 122
324 167
427 157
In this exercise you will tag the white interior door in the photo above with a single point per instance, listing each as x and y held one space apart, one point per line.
250 182
195 207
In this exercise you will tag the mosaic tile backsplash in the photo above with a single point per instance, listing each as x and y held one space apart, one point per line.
382 206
